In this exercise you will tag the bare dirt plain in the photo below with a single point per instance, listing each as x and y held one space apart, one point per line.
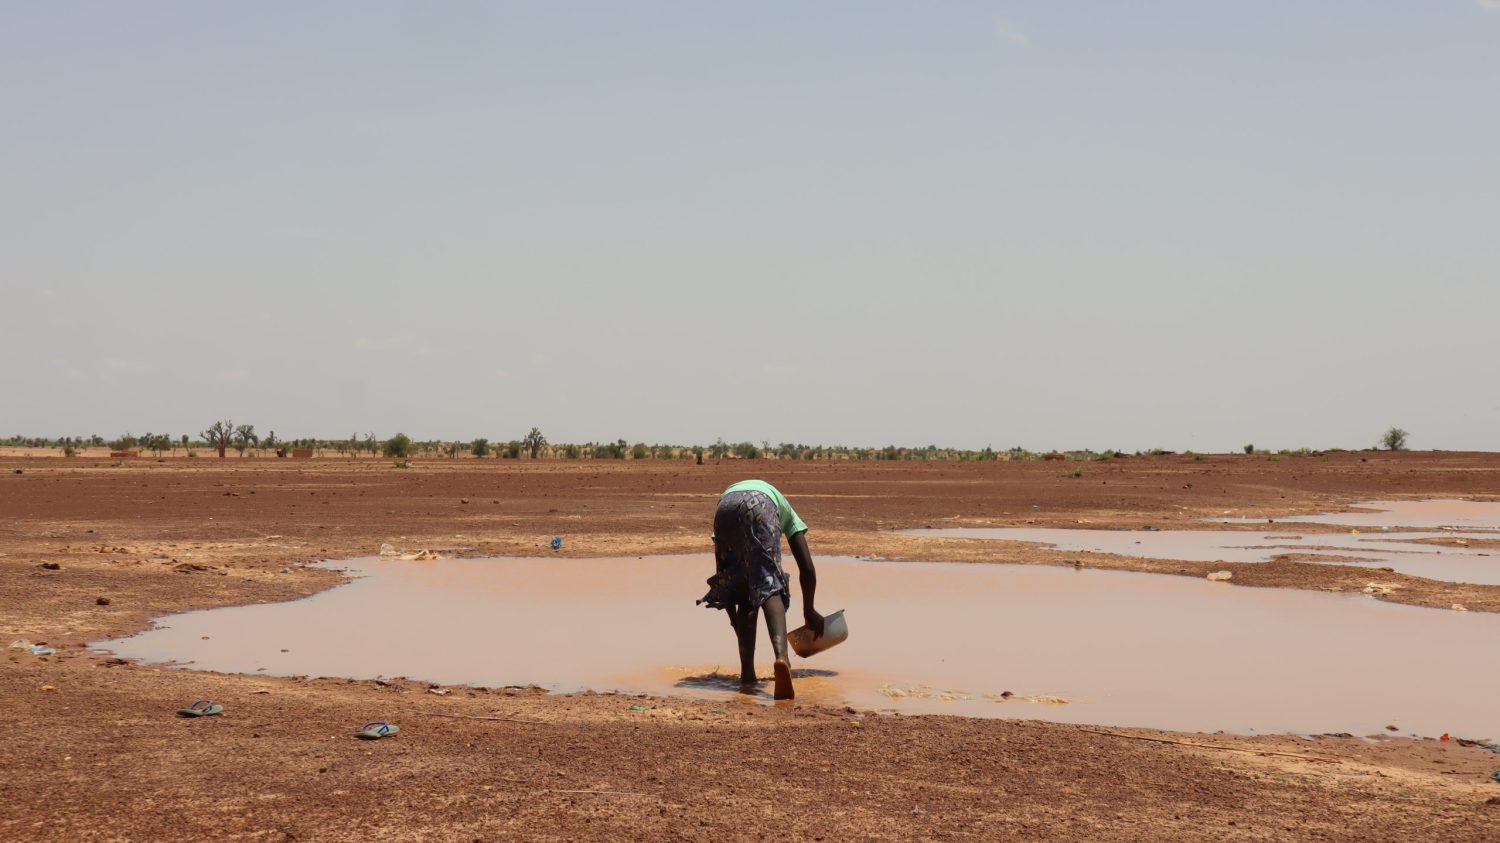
93 751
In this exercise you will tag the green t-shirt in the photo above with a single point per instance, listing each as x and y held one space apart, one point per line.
791 525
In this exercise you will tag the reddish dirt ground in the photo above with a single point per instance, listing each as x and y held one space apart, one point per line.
94 752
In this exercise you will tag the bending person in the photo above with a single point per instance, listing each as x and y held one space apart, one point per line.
748 525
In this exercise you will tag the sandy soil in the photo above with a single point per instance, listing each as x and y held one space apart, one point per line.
93 751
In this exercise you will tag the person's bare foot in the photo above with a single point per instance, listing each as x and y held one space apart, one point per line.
783 680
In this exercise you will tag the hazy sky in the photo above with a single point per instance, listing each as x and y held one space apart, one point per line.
1185 224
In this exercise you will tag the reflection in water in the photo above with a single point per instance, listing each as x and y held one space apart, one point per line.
980 640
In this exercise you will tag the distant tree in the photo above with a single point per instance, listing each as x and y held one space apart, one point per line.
747 451
244 437
125 443
1249 449
372 444
220 436
719 449
398 446
1394 439
269 441
639 451
480 448
157 443
534 442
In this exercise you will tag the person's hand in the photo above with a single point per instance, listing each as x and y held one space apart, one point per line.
814 621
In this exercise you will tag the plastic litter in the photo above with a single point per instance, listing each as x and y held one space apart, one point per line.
42 650
387 550
377 730
557 542
1220 576
201 708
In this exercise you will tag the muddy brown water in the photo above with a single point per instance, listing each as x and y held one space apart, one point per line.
1381 535
1431 513
925 638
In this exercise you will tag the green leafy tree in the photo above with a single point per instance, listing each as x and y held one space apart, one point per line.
639 451
534 442
244 437
480 448
1394 439
220 436
398 446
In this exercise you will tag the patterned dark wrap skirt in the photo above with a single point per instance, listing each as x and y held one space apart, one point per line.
747 553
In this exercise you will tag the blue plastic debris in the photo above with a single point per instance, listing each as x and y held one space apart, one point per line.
557 542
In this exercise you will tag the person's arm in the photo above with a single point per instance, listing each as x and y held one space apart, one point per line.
807 578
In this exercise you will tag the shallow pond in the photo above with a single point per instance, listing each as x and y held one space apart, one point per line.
1431 514
1122 648
1367 544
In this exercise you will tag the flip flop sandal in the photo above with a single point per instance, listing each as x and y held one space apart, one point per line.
377 730
201 708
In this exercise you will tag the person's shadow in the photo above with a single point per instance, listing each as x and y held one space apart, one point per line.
717 681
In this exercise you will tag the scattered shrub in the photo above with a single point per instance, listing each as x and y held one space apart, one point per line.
1394 439
397 446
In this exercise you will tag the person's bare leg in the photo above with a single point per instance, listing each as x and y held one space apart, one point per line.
775 612
742 618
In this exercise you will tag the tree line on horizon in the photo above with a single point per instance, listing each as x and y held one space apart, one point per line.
224 435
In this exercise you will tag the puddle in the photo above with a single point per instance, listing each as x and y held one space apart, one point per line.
1398 549
1381 550
1121 648
1464 515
